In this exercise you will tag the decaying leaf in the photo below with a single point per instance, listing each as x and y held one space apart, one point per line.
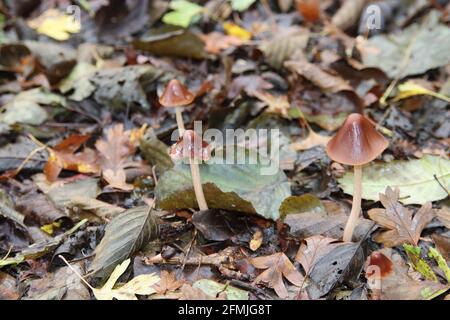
414 254
215 289
416 179
444 215
124 235
141 285
313 139
215 42
403 227
276 267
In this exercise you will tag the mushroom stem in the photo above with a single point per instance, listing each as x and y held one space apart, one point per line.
197 182
356 204
180 122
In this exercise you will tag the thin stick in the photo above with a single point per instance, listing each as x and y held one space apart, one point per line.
75 271
180 122
356 205
197 182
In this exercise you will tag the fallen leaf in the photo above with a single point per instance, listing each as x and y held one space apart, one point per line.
63 156
348 14
188 292
235 30
410 51
215 42
410 89
256 240
313 139
444 215
183 14
308 9
277 266
168 282
215 289
417 188
441 262
403 227
233 187
141 285
8 287
124 235
312 249
115 151
241 5
55 24
276 104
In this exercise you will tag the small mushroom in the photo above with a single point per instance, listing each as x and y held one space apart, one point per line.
191 146
176 96
356 143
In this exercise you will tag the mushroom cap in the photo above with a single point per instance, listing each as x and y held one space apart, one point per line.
357 142
191 146
176 95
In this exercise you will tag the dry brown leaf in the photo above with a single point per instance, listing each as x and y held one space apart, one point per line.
63 156
216 42
312 249
256 240
168 282
324 80
115 151
403 226
313 139
444 215
277 265
278 105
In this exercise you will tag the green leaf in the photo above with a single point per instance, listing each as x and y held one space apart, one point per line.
241 5
213 288
433 253
184 12
410 51
124 235
234 187
414 178
418 263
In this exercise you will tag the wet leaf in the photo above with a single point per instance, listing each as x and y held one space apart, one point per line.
304 203
141 285
172 42
124 235
403 227
276 267
417 188
234 187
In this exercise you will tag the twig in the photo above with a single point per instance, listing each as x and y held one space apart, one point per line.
75 271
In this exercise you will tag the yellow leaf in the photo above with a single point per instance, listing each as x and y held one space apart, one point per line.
233 29
409 89
141 285
55 24
50 228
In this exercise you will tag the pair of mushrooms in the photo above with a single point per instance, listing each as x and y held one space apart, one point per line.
190 145
356 143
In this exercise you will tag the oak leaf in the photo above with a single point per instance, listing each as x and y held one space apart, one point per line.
115 152
63 156
277 266
403 227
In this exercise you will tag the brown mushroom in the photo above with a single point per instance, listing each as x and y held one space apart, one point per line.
176 96
356 143
191 146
